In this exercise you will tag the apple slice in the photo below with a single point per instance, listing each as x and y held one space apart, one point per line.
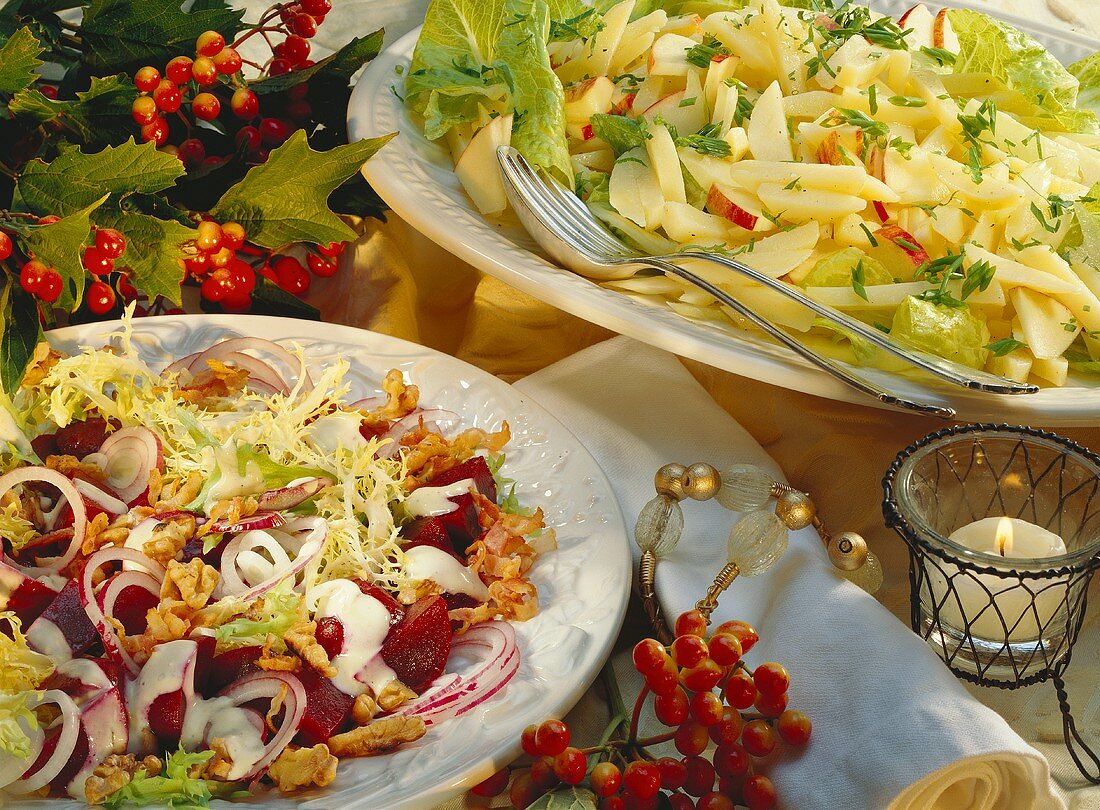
634 190
767 129
584 100
943 35
919 21
737 206
1054 370
841 147
1043 322
478 169
668 57
686 224
666 164
688 113
802 204
898 250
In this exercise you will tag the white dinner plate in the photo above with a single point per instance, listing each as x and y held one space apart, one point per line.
416 179
583 586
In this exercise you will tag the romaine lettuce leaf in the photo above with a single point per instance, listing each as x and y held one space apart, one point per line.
1087 72
991 46
951 332
1082 240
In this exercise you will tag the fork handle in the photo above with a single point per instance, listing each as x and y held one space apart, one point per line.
944 369
855 381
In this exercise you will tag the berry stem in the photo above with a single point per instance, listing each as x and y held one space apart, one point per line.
656 739
615 697
632 736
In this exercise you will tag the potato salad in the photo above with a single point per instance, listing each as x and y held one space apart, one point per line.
935 175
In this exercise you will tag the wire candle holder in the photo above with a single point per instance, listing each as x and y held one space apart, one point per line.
996 617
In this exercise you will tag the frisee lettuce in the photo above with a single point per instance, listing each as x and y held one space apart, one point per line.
23 668
273 614
174 786
13 733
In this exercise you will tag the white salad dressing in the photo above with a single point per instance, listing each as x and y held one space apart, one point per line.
47 638
217 718
170 668
337 429
431 501
429 562
87 672
366 623
232 482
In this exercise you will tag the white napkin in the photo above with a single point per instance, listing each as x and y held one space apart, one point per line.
892 726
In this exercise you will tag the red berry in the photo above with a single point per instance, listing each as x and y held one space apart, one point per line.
794 727
643 779
143 110
570 766
295 49
731 761
744 633
250 136
241 276
110 242
552 737
298 91
298 110
179 69
209 43
49 219
702 678
758 738
204 71
758 793
206 106
269 273
30 275
215 287
198 264
649 655
100 298
5 246
527 739
728 729
274 130
612 803
192 152
740 691
691 623
673 773
770 705
244 104
128 290
334 249
771 678
147 79
706 708
227 61
699 779
671 709
606 779
320 266
96 262
494 785
680 801
691 739
665 680
50 287
208 238
725 649
221 257
303 25
542 773
689 651
232 235
260 156
279 66
714 801
523 791
167 96
316 7
48 90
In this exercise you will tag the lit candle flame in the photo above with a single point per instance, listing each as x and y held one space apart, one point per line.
1004 535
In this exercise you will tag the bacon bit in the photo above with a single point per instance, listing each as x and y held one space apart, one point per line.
273 662
231 510
303 767
43 359
303 640
169 538
429 454
218 382
409 592
177 494
156 486
71 465
114 773
379 736
100 534
514 599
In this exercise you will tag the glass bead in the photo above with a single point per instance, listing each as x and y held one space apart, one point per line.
745 487
659 526
757 541
868 576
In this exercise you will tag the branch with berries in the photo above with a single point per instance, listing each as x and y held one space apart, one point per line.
724 718
169 155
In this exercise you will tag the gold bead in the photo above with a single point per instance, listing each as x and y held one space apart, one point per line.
795 509
669 481
848 551
701 481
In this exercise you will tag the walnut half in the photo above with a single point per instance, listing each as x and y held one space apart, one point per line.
379 736
303 767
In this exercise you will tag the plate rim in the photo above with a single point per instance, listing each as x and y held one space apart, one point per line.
492 756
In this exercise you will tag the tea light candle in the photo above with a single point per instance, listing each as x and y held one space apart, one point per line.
1011 539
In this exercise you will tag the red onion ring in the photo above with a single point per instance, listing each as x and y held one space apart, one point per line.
70 493
183 364
308 552
370 403
104 500
219 351
111 644
290 496
66 743
12 768
257 520
438 418
120 582
498 668
142 449
260 685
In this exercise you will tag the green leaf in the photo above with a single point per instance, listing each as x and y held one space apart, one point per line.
538 101
75 180
1087 72
18 61
154 253
1005 346
621 133
60 245
571 798
339 66
285 199
126 34
174 787
357 198
271 299
98 115
22 332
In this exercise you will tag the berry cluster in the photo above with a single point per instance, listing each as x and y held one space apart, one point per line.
725 717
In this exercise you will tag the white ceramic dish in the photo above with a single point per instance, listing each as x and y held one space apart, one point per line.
583 586
416 179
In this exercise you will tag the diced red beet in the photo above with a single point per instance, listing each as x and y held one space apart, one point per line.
131 607
369 432
475 468
429 531
204 661
76 759
461 524
81 438
194 548
67 612
327 708
395 608
44 445
460 600
417 649
25 597
330 635
166 718
142 499
231 665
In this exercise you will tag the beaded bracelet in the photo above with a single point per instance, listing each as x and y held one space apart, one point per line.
757 540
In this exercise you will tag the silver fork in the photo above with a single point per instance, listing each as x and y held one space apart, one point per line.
562 224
